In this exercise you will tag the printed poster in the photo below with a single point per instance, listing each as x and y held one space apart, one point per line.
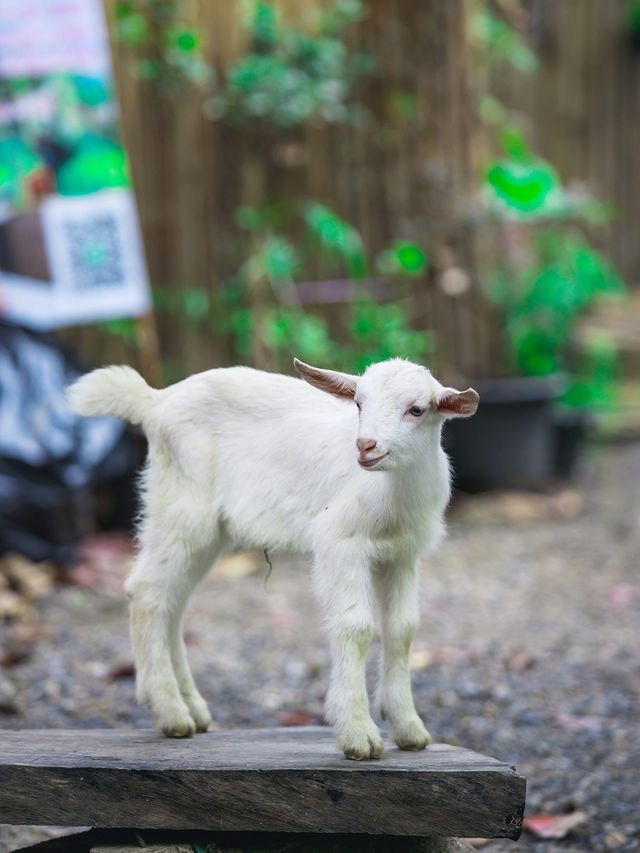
70 245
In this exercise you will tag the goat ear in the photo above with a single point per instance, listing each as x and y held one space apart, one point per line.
457 404
338 384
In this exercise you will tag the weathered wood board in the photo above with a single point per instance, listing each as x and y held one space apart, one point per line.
263 780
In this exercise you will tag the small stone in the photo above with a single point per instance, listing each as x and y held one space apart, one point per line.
9 703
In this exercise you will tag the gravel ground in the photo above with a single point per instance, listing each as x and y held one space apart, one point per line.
528 650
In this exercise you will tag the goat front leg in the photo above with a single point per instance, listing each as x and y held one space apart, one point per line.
343 584
397 592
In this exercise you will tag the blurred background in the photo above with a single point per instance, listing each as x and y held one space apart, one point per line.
186 185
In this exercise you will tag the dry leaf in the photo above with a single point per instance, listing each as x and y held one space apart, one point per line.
13 656
297 718
104 561
554 826
420 659
120 670
520 660
523 506
622 595
580 722
14 606
33 580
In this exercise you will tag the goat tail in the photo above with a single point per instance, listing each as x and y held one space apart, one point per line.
119 391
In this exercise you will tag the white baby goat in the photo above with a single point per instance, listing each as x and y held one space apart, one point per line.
239 457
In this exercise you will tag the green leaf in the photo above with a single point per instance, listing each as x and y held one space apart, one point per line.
279 259
514 144
502 43
264 28
248 217
186 40
524 186
491 110
124 328
196 304
403 257
337 235
124 8
133 29
633 16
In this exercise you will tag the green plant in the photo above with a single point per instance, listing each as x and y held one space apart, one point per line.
500 42
289 76
633 17
167 52
541 303
521 186
260 307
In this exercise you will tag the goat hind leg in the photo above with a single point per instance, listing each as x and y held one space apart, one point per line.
157 591
197 706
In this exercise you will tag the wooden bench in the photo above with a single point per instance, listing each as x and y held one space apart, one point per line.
254 781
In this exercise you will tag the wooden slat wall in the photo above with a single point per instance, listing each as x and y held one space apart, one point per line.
396 179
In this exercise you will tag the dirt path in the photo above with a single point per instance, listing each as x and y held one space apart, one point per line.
528 650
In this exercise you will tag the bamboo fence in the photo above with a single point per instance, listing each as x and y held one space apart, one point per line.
412 174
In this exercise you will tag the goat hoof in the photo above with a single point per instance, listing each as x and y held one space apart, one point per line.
361 742
179 727
411 736
201 716
199 711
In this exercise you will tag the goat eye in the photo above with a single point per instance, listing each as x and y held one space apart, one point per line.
358 405
415 411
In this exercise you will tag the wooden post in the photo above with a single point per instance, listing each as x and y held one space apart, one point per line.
148 349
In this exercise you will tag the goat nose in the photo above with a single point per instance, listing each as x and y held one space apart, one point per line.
365 444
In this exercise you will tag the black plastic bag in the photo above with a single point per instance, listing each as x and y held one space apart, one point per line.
50 459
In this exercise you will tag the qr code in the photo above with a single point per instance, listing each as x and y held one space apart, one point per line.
95 252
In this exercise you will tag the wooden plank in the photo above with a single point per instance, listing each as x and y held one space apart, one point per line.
268 780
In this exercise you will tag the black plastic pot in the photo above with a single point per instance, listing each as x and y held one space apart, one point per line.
509 442
570 431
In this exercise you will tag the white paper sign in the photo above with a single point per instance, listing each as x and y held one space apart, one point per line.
95 258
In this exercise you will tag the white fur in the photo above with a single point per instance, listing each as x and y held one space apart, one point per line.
243 458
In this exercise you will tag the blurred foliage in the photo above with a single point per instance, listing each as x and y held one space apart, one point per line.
370 331
167 52
286 77
555 275
402 258
633 16
289 76
543 299
123 328
261 301
501 43
336 237
593 377
524 187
